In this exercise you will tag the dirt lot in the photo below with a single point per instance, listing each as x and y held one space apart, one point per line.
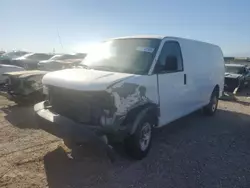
195 151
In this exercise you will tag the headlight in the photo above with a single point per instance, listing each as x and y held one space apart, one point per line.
45 90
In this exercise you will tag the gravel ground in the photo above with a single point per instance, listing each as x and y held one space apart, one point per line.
196 151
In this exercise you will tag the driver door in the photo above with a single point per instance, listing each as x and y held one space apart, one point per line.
173 87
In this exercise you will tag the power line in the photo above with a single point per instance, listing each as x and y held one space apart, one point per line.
59 38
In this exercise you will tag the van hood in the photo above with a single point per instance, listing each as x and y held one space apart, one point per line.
84 79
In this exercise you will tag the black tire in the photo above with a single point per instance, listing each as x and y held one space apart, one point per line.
133 143
211 108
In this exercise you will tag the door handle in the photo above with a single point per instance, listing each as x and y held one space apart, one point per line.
185 79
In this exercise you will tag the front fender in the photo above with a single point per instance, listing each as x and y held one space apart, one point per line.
149 109
130 97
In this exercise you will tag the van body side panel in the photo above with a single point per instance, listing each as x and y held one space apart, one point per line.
204 68
220 70
197 69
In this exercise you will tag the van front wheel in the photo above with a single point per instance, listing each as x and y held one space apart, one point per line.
139 143
211 108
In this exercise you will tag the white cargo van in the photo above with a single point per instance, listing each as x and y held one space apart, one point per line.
128 86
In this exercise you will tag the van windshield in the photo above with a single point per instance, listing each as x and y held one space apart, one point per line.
133 55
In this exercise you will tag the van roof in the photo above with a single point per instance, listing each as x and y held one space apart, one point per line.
158 37
141 36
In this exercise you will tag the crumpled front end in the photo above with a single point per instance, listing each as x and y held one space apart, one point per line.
87 107
105 109
98 99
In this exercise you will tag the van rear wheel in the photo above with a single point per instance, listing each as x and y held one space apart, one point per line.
211 108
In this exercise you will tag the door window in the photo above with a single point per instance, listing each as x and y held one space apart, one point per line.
170 59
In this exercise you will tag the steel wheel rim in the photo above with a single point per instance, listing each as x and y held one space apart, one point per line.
145 136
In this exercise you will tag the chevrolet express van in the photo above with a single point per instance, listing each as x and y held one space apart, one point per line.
126 87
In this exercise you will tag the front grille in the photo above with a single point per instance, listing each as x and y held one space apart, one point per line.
81 106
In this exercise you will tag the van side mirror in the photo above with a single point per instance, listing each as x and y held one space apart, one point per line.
171 64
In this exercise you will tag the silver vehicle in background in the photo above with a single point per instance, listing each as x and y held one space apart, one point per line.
62 61
30 61
6 58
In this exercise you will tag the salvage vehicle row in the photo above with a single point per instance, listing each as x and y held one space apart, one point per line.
22 83
237 77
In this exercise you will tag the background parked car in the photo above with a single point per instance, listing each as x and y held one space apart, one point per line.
236 76
7 57
58 62
7 68
30 61
248 75
2 52
24 87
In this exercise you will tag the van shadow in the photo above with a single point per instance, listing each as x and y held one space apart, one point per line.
192 147
20 116
81 171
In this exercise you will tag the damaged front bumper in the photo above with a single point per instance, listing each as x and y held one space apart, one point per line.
66 128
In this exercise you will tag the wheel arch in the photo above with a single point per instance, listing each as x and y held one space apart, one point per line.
217 90
138 112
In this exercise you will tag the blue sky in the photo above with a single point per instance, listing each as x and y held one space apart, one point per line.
35 24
